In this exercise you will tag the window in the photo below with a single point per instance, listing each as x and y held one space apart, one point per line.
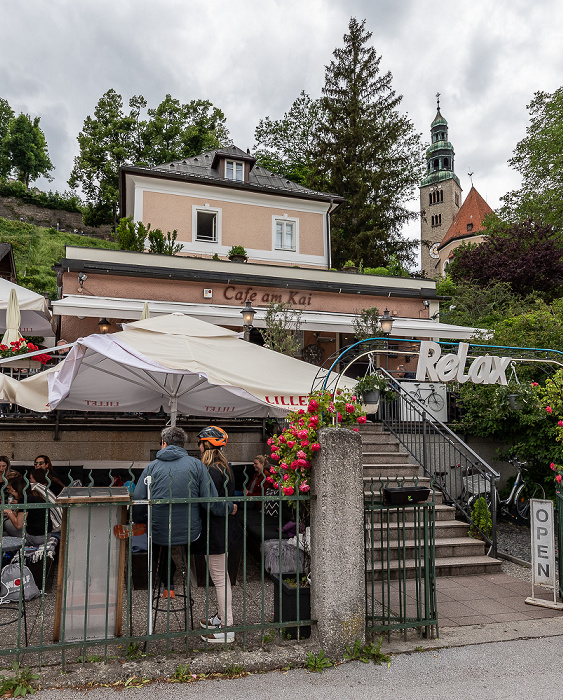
206 226
234 170
469 227
285 235
457 199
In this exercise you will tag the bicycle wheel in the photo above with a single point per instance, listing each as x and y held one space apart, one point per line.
435 402
522 500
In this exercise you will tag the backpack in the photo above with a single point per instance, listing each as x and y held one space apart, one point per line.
10 583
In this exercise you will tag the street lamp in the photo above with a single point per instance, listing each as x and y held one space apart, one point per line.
104 325
386 322
247 319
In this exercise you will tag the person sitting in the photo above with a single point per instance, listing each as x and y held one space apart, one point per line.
6 471
403 374
38 485
258 481
55 484
36 532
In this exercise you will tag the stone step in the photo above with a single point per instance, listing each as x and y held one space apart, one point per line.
443 529
444 566
444 548
389 471
386 457
442 512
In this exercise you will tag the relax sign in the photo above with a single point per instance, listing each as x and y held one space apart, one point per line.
435 367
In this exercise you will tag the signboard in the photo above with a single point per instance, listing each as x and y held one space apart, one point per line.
435 367
543 551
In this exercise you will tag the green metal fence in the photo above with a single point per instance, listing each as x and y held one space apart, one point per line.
559 520
96 601
400 564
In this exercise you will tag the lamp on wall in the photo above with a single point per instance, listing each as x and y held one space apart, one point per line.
386 322
103 325
247 319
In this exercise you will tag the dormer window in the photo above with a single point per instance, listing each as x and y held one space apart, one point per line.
234 170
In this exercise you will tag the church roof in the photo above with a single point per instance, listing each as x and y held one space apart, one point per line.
439 119
469 219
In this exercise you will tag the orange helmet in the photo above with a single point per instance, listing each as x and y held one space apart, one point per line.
212 436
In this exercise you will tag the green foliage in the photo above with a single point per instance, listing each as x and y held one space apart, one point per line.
317 663
237 250
380 271
37 249
131 235
6 116
367 652
90 659
49 200
114 137
367 152
164 245
24 150
366 323
284 146
537 157
482 521
18 685
234 670
182 674
269 637
373 382
348 263
282 326
134 651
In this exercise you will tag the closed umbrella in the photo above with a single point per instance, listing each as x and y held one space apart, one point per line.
13 320
146 311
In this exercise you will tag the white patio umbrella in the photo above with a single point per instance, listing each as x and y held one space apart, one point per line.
13 320
180 363
35 317
146 311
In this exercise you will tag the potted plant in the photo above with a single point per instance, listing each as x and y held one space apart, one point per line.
350 266
287 611
237 254
374 387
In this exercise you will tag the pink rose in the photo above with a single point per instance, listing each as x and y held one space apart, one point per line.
290 444
340 417
281 438
304 488
288 490
276 457
552 466
302 434
273 470
276 485
293 465
301 455
270 441
304 443
535 384
313 405
315 447
301 422
350 408
283 466
354 398
560 423
285 477
549 409
301 412
313 420
301 462
331 408
361 419
338 392
356 430
558 478
269 480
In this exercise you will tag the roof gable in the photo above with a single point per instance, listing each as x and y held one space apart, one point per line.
469 219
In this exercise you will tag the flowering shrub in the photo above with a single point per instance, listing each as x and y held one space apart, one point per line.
552 402
19 347
293 450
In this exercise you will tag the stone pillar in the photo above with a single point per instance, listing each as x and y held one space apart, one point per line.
337 541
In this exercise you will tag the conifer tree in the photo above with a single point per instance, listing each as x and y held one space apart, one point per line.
367 152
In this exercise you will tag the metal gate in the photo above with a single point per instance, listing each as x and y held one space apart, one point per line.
400 565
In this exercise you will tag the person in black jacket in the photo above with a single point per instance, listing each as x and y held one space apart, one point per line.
221 532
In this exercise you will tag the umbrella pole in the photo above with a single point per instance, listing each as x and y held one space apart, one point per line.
173 410
148 482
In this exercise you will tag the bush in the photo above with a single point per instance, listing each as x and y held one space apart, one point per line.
48 200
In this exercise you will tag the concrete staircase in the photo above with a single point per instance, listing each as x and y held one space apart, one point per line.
457 554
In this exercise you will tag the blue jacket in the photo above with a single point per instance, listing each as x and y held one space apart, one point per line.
177 475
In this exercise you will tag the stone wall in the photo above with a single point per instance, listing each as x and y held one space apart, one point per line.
16 209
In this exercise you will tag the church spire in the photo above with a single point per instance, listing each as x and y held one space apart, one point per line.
440 154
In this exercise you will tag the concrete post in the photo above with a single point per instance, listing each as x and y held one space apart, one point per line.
337 541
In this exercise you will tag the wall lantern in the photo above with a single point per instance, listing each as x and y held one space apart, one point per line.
103 325
247 319
386 322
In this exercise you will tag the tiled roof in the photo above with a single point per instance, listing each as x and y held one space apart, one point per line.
201 168
472 211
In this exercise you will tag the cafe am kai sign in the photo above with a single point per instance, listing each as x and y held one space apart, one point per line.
435 367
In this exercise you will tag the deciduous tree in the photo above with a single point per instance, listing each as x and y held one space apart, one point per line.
25 148
368 152
6 116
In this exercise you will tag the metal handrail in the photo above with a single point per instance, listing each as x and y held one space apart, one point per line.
444 457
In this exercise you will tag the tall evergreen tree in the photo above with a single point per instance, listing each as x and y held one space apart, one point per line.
367 152
26 148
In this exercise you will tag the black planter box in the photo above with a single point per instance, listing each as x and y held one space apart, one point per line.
289 606
403 495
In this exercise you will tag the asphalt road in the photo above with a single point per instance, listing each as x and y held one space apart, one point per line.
507 670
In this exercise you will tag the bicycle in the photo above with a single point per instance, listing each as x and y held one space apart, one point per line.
433 400
517 505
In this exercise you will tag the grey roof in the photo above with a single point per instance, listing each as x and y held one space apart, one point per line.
201 168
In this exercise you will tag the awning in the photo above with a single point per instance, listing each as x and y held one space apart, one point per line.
225 315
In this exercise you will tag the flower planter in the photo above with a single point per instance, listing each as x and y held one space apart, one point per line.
371 397
404 495
349 269
289 606
238 258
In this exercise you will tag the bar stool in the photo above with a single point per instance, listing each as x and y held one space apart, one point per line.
160 604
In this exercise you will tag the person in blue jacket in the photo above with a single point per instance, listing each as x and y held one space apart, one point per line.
176 475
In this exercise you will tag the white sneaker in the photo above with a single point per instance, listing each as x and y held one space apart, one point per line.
214 621
219 637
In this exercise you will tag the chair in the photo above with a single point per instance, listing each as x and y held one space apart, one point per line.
160 604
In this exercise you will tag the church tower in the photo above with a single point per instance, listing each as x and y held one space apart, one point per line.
440 194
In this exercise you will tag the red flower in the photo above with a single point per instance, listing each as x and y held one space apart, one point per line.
558 478
288 490
304 488
313 405
549 409
315 447
356 430
350 408
552 466
269 480
361 419
340 417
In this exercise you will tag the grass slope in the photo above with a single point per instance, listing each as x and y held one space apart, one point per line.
37 249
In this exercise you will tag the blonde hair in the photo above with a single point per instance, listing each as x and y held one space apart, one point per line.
263 459
217 458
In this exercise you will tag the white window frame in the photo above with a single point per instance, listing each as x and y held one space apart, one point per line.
218 224
234 163
285 220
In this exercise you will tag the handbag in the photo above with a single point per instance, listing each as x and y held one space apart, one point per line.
11 579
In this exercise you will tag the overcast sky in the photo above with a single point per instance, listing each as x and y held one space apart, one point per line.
252 59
